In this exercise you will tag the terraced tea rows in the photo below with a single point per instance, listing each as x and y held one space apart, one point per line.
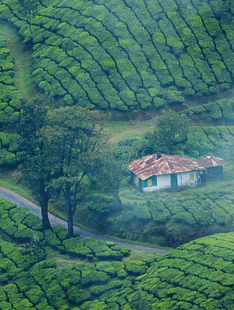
9 103
175 218
197 275
125 55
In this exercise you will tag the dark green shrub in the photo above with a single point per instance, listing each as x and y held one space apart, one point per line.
122 249
51 238
32 221
61 232
77 295
136 267
90 277
18 214
75 247
35 294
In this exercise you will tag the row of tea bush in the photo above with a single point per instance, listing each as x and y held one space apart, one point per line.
9 104
197 275
135 56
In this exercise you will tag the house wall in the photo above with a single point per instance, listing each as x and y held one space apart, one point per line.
214 173
163 181
183 179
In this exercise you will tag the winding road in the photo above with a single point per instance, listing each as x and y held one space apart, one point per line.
23 202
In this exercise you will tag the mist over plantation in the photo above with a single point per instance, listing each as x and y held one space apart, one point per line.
117 117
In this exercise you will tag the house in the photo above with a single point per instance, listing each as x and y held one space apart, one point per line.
159 171
214 168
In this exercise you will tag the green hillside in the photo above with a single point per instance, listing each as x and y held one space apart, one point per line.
197 275
128 54
9 103
134 59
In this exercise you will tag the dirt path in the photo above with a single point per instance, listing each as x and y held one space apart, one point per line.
23 202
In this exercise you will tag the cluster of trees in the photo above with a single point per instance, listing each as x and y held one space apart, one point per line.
63 152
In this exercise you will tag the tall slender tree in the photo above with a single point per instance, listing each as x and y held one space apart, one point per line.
34 152
74 135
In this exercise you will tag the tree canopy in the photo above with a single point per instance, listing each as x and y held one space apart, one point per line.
173 128
74 137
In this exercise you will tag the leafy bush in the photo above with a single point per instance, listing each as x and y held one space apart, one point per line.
51 238
75 247
111 58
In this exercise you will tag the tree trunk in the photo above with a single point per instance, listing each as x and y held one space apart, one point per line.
44 205
44 215
69 212
119 201
69 222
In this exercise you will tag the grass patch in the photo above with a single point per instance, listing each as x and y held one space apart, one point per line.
139 255
10 178
133 129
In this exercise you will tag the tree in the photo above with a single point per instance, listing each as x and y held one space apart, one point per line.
74 136
110 174
34 153
173 129
28 8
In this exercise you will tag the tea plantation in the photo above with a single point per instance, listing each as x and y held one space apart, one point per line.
128 54
173 218
9 104
197 275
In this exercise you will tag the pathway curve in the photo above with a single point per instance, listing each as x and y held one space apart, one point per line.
23 202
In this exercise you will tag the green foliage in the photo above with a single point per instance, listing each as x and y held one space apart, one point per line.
98 58
198 273
51 238
136 267
9 105
173 129
75 247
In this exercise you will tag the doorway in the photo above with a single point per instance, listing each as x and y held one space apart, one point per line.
174 180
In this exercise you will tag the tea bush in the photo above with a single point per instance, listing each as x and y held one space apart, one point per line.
95 55
9 104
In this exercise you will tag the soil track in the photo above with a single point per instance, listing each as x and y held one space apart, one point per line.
23 202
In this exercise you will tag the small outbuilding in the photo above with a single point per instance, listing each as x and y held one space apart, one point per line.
214 168
160 171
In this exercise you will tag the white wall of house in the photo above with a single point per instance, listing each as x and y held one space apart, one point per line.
191 178
185 178
163 181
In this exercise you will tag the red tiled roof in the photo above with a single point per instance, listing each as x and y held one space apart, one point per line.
148 166
211 161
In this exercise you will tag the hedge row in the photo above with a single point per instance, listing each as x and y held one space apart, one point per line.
197 275
29 281
23 225
26 283
216 110
9 104
125 55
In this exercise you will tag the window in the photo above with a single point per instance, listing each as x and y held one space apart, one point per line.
191 177
136 179
149 182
